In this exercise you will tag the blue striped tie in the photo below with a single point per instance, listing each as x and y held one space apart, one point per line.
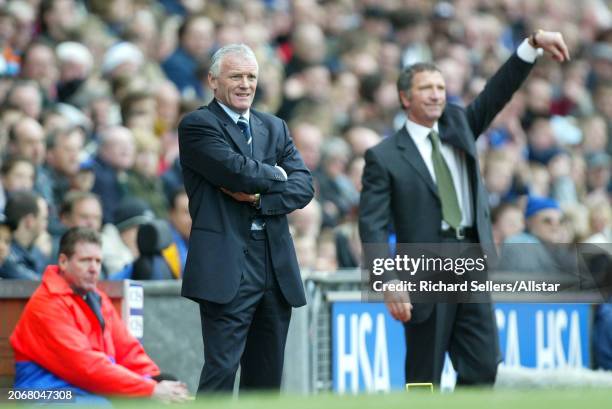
243 124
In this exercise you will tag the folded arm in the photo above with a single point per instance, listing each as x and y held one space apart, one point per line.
204 150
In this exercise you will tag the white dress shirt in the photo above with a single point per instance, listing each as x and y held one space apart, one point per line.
455 159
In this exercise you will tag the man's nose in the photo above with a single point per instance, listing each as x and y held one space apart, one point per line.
437 94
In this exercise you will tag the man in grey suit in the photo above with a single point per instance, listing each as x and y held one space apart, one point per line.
242 174
425 183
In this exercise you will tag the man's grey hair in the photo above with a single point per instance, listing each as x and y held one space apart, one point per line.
239 49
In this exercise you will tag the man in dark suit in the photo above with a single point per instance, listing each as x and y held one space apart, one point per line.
242 174
425 183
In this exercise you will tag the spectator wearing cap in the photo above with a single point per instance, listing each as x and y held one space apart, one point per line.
534 251
196 39
75 66
115 157
120 238
123 59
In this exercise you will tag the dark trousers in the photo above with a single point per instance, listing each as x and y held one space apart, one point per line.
466 330
249 331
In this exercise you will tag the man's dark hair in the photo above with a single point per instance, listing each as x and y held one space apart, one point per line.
19 205
77 235
499 211
130 100
72 198
404 81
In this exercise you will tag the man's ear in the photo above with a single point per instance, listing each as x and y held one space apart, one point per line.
212 82
62 261
404 97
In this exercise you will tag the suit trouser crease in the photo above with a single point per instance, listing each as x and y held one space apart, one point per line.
249 331
466 330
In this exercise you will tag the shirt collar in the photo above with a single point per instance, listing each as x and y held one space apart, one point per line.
233 114
419 132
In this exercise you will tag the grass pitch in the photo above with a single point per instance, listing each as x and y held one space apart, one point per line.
463 399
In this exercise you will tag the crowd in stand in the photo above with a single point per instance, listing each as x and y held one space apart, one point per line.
91 92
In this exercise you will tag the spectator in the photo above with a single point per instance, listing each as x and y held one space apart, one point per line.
337 194
26 97
121 235
168 101
26 214
115 157
308 140
7 269
598 174
71 337
17 174
143 181
75 66
507 221
180 225
39 65
81 209
63 149
139 110
196 38
27 139
58 20
538 249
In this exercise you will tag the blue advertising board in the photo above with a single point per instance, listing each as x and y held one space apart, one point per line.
368 349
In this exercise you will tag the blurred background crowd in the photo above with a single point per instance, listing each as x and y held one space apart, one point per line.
91 92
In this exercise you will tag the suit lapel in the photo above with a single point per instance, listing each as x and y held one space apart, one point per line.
411 153
454 133
260 137
230 126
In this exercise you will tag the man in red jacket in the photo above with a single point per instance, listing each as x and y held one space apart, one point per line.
70 336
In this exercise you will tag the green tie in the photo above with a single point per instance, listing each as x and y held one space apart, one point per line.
451 213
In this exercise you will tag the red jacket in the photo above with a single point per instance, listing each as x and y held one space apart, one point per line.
59 332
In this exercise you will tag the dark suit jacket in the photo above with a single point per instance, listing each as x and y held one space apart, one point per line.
214 154
398 190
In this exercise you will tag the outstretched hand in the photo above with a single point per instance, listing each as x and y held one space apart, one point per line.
553 43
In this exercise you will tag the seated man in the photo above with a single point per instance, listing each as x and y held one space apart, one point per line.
70 336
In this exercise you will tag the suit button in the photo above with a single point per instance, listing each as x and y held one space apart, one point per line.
245 251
